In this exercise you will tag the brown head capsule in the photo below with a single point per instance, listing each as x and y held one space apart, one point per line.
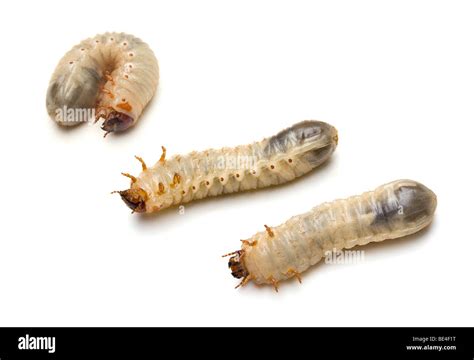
135 198
117 121
237 266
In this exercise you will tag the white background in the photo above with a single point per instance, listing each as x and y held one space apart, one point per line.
395 78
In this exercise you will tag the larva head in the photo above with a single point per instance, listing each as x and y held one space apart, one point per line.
237 266
135 198
117 121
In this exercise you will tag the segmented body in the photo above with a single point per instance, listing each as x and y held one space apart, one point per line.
391 211
115 74
276 160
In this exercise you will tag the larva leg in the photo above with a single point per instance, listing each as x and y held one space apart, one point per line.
163 155
101 112
393 210
292 272
244 281
144 167
109 78
274 282
281 158
269 231
131 177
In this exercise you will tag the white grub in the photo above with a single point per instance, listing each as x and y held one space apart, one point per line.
279 159
114 74
278 253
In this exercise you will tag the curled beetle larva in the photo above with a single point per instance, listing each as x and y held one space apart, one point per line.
275 160
392 210
114 74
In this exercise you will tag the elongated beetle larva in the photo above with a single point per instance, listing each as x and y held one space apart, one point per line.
276 160
391 211
115 74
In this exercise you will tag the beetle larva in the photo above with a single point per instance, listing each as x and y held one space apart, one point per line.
275 160
114 74
392 210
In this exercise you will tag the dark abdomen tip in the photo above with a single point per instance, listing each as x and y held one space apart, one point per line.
316 134
408 202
